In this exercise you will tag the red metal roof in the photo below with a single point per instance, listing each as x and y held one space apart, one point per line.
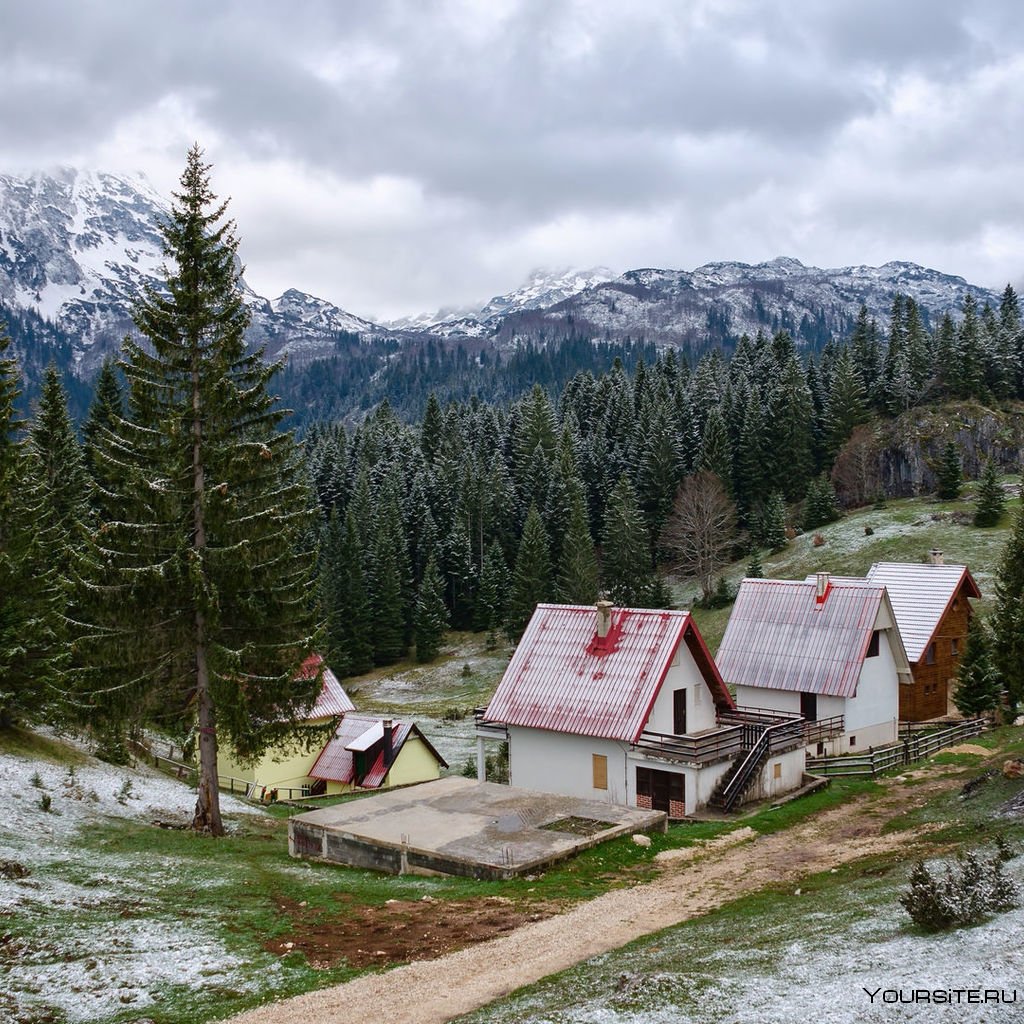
780 637
332 699
563 677
336 762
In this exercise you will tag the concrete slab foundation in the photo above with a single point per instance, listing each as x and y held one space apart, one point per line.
457 826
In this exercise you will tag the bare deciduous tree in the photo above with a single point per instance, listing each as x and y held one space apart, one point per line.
699 532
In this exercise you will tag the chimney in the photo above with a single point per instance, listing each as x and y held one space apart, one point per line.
604 618
821 589
935 557
388 750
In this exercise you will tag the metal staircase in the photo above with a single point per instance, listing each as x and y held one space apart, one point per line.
759 742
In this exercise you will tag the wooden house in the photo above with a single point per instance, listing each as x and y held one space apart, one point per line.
374 753
828 650
286 767
932 604
626 705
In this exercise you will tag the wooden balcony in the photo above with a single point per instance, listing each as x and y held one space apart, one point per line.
700 749
488 728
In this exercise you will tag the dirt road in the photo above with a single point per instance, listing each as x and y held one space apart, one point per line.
690 884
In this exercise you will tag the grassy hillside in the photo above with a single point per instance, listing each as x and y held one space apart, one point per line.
903 531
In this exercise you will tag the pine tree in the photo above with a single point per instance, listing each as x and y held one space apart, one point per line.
990 501
755 570
346 606
627 572
105 412
1008 618
978 687
431 614
949 474
29 614
771 523
493 593
821 506
847 404
390 584
58 474
531 579
201 578
578 577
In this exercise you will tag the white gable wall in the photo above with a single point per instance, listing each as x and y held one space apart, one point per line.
870 717
700 705
560 762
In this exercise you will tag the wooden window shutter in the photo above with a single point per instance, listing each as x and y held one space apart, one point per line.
600 771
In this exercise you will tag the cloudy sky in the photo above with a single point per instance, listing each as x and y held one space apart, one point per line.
395 157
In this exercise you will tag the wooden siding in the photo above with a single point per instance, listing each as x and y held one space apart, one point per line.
928 695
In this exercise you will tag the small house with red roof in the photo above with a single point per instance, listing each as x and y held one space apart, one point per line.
374 753
335 750
626 705
827 650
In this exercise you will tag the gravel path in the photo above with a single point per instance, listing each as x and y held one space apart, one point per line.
435 991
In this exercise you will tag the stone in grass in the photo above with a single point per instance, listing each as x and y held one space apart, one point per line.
641 840
1013 769
12 869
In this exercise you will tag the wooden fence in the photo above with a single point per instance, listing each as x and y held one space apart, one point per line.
915 745
240 787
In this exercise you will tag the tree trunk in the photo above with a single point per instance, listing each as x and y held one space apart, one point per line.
207 817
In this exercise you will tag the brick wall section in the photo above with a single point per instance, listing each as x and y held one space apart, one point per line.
676 809
927 696
643 801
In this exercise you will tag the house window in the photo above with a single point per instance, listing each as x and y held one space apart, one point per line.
821 750
679 712
873 644
600 767
777 770
929 654
954 647
853 741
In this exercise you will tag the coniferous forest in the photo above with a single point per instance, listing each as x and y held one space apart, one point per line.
176 560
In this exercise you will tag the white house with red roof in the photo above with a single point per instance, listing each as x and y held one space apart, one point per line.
828 650
626 705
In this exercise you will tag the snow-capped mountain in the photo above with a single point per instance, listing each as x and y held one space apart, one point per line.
541 288
79 247
722 300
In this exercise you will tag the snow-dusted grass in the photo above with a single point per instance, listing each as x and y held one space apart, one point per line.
902 531
786 958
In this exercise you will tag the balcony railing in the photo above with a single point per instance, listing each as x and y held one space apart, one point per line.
487 726
707 748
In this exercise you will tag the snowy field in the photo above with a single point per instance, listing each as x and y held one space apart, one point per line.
89 949
803 958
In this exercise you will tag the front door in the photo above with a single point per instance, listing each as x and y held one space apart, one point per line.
666 790
809 706
679 712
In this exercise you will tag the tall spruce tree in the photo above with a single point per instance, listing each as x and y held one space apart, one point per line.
1008 618
200 579
978 687
990 501
531 579
578 577
106 410
29 613
346 606
431 614
493 593
627 571
949 474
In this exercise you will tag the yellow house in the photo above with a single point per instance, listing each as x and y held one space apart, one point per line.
374 753
285 768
